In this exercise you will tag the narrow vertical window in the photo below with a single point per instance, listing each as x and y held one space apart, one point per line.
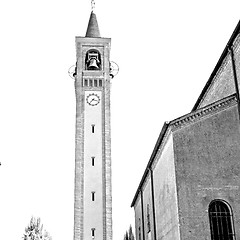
139 230
221 221
93 232
93 196
93 128
148 219
95 83
100 82
93 161
85 82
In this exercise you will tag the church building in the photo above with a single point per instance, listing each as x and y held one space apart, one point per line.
190 188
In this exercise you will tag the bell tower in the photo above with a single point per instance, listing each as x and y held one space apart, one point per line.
93 196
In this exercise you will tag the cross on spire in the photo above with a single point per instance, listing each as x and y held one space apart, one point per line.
93 5
92 29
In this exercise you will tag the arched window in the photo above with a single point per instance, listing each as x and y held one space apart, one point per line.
221 221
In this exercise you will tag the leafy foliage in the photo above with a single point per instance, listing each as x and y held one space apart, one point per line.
34 231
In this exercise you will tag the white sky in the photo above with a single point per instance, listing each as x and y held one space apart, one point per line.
166 51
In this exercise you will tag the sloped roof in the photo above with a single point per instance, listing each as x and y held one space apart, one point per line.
182 122
218 65
158 143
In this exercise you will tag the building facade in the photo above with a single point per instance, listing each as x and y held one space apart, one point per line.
93 197
191 186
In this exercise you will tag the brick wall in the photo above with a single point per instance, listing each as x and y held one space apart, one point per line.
207 155
138 219
83 217
148 206
165 193
223 82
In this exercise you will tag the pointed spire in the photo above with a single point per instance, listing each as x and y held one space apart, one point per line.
93 30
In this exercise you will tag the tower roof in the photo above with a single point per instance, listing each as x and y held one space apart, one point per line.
93 30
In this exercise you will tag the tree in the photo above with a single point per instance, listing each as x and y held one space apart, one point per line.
129 234
34 231
126 236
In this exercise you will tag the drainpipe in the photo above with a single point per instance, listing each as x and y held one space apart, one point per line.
230 49
143 230
153 204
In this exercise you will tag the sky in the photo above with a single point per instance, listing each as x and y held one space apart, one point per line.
166 51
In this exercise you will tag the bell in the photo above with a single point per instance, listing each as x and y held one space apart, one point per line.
93 64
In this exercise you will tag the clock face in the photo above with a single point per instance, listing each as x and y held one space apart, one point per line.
93 99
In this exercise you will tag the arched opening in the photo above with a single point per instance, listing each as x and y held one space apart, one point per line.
93 60
221 220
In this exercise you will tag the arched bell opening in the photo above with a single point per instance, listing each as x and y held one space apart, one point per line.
93 60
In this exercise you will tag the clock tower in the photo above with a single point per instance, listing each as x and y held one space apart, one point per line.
93 197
